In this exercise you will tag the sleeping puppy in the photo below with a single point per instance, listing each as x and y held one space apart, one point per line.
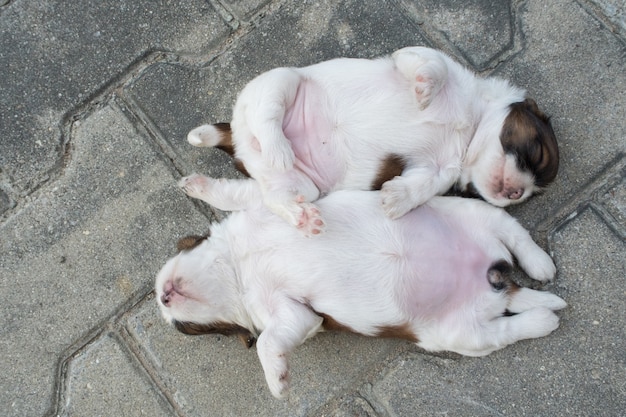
435 276
414 125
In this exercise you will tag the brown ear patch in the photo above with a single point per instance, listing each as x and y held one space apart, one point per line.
527 133
227 329
392 166
190 242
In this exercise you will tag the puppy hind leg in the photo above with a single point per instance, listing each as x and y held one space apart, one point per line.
502 331
224 194
522 299
267 100
289 325
425 69
289 195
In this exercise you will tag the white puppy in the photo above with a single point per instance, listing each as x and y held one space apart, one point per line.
434 276
414 124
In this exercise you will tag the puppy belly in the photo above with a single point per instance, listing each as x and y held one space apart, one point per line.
444 267
308 126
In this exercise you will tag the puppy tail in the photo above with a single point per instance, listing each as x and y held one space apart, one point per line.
218 136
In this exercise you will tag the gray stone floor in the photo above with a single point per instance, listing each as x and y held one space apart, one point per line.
96 100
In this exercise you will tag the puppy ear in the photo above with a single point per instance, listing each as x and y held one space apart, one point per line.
534 108
190 242
227 329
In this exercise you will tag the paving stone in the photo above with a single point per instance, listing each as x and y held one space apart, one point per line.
245 9
82 249
480 30
211 374
614 11
615 201
573 72
177 98
104 377
56 56
349 406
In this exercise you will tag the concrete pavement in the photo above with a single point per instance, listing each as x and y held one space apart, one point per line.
96 100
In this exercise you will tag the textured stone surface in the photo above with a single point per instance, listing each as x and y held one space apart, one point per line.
81 250
214 372
104 377
57 56
479 30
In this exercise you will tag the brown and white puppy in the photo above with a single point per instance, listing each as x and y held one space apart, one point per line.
414 125
434 276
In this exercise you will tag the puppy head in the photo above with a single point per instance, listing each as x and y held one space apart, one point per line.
521 163
527 134
198 285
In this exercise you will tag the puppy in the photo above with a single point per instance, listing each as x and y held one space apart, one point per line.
435 276
414 125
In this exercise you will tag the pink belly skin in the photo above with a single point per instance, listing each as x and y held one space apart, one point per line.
444 268
308 126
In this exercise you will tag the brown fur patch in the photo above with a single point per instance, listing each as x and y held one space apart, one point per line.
226 138
241 167
398 332
190 242
227 329
402 331
392 166
330 324
226 145
527 133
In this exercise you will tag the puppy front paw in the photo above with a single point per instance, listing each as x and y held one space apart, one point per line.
537 264
396 199
276 368
196 185
426 71
278 382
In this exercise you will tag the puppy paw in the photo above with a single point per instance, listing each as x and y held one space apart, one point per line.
310 221
297 211
276 370
396 199
542 321
196 185
278 382
537 264
426 71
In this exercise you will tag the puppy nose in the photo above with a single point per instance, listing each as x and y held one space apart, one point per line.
516 194
165 299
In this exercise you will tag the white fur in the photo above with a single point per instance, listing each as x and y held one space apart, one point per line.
304 132
425 272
